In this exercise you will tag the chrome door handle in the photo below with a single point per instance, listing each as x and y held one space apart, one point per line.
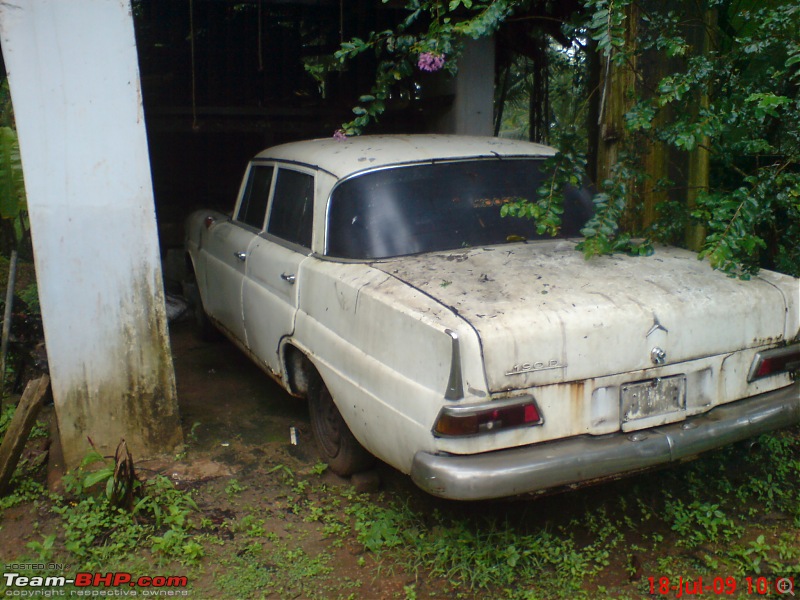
288 278
242 256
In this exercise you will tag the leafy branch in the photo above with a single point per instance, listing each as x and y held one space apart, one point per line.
401 53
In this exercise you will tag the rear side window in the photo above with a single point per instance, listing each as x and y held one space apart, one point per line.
254 202
292 207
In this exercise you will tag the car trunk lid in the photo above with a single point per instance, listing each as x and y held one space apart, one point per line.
545 314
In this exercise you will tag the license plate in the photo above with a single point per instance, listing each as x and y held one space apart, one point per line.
660 401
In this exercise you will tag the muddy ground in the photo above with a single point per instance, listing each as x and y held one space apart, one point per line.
238 425
272 523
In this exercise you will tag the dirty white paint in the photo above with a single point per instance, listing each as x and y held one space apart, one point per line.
73 72
531 319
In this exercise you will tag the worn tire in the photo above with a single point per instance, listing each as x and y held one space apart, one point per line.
203 327
337 445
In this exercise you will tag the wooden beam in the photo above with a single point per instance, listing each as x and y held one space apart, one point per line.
20 428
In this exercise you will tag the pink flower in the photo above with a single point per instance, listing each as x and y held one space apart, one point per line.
429 61
339 135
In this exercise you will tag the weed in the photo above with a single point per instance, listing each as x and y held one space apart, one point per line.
96 533
319 468
410 591
192 435
700 522
43 549
25 490
234 488
313 512
281 570
250 526
286 472
177 544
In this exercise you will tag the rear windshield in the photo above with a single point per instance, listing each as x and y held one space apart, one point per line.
441 206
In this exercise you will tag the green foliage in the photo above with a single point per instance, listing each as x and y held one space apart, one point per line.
607 26
431 26
234 488
279 570
700 522
564 170
12 186
749 122
734 96
601 232
25 490
6 415
30 296
734 513
43 548
96 532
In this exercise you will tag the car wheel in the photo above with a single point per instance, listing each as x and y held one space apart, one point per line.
203 327
337 445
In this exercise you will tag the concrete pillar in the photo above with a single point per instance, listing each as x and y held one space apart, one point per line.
473 108
74 78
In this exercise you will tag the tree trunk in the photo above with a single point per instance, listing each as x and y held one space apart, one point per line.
539 105
656 161
617 90
593 112
700 158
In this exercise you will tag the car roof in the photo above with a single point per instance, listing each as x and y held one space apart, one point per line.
354 154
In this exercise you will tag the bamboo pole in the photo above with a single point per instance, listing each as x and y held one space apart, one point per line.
12 280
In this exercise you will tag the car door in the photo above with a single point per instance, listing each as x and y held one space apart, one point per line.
272 278
226 250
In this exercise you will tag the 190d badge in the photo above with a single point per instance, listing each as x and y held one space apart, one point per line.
535 366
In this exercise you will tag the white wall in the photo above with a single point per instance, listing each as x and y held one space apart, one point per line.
73 72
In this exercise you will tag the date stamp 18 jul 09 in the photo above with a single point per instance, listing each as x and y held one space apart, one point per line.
720 586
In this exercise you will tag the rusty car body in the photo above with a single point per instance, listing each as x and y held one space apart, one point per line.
376 277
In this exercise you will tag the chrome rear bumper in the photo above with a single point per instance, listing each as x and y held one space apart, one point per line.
585 458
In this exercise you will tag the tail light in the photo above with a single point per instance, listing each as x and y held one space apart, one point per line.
474 419
775 361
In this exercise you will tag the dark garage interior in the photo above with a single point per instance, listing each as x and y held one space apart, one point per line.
223 80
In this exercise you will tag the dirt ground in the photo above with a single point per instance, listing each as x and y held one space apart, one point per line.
242 467
238 423
237 416
273 523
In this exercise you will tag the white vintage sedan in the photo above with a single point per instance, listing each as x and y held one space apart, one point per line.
375 277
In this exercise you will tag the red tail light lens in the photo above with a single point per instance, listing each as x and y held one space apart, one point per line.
775 361
458 421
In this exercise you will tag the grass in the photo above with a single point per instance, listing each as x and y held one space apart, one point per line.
731 517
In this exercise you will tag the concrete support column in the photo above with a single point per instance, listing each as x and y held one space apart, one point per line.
473 108
74 78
